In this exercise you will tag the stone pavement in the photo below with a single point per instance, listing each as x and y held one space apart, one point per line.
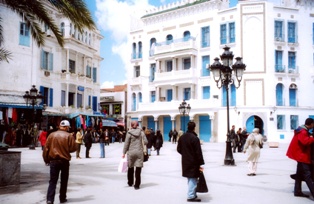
96 180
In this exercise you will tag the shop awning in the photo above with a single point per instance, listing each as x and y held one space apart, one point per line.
108 123
73 115
19 105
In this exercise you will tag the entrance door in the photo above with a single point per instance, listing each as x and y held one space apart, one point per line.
167 127
205 128
254 122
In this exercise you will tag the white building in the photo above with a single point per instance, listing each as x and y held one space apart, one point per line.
67 77
172 45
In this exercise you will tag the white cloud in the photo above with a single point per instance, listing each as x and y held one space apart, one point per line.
107 84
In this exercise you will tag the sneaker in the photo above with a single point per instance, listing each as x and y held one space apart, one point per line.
300 194
63 201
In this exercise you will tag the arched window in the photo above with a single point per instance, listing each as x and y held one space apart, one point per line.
134 51
71 29
140 97
133 102
279 96
186 35
86 36
62 28
140 50
152 45
169 39
293 95
89 39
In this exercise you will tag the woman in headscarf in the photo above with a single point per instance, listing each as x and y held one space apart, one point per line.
252 146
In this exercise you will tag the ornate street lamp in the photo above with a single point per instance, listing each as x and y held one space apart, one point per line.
224 75
33 98
184 109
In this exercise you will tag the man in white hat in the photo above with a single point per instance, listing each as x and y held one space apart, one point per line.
62 143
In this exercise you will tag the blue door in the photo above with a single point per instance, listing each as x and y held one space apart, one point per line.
250 124
205 128
150 123
167 127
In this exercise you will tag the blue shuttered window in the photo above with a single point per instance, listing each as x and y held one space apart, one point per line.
205 62
94 74
206 92
169 65
205 36
79 101
140 97
169 39
223 34
62 98
278 31
140 50
153 96
186 35
291 32
134 51
278 61
233 95
88 71
46 60
24 37
279 96
232 32
291 60
292 97
94 103
51 97
280 122
133 102
294 121
187 93
169 95
152 72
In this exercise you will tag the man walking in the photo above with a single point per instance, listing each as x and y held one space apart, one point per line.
300 150
189 147
56 154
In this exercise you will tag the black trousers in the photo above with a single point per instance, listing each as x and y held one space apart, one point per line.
57 166
87 151
303 172
138 171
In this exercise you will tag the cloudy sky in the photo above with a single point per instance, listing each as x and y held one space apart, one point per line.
112 19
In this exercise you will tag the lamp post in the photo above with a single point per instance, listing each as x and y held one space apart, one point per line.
224 75
184 109
33 98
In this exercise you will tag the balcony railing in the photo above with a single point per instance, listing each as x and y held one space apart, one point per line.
178 75
175 45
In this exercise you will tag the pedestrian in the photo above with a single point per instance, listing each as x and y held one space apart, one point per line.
244 134
239 141
233 138
88 141
133 146
149 140
102 144
189 147
78 142
174 136
300 151
252 146
43 138
57 155
170 135
158 141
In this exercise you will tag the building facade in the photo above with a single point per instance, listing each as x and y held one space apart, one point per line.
173 45
67 77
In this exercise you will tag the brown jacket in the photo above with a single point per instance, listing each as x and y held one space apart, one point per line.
59 145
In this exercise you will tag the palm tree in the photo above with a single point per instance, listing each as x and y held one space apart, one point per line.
34 13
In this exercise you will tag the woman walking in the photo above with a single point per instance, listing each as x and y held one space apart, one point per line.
158 141
78 142
133 146
102 144
253 143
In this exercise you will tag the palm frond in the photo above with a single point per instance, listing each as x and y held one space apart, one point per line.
5 55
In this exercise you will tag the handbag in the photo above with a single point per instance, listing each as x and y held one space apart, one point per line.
260 144
146 157
201 184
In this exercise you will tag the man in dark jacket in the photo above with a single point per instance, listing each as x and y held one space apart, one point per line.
189 147
88 142
56 154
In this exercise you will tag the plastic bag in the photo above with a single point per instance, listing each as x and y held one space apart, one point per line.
201 184
123 165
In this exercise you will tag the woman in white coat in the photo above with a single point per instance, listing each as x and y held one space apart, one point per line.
253 146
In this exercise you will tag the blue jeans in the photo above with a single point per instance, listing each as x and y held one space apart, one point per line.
192 184
57 166
102 150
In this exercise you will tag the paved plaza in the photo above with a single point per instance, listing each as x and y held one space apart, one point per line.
96 180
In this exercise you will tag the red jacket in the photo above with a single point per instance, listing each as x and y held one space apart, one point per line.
300 146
